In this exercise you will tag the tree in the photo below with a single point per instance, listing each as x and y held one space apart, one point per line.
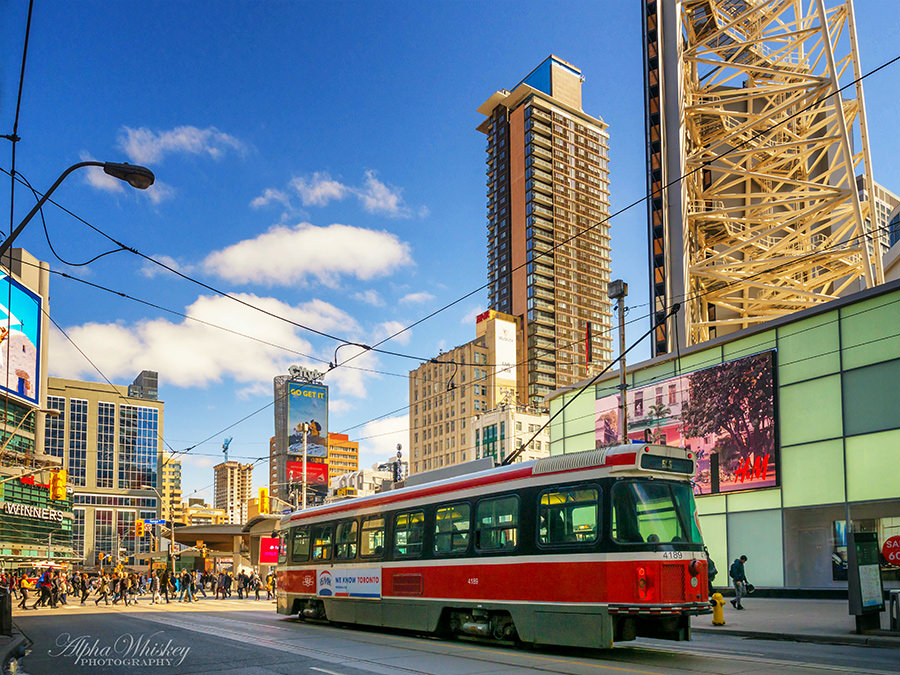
734 398
657 412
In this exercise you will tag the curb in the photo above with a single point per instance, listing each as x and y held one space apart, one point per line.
888 642
14 649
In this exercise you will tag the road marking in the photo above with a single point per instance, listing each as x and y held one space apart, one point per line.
322 670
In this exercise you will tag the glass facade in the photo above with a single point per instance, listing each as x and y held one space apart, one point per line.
78 427
55 427
138 444
106 438
125 531
35 534
104 537
14 414
78 533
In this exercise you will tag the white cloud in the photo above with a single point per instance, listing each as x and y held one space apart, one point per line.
159 192
389 328
377 197
269 196
470 316
319 189
291 255
151 270
370 297
415 298
145 146
96 178
378 440
194 355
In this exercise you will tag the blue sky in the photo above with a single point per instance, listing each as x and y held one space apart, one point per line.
319 160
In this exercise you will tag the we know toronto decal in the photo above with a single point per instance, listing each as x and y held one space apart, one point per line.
125 650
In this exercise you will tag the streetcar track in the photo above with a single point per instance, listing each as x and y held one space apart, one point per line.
486 653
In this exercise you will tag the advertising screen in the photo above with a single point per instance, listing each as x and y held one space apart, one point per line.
268 550
316 479
725 414
307 403
20 339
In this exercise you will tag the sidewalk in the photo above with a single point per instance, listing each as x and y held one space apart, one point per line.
822 621
11 646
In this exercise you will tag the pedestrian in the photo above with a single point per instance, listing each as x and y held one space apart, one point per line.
200 579
711 573
269 590
739 578
102 590
154 588
255 583
164 583
24 586
83 586
185 587
229 579
43 585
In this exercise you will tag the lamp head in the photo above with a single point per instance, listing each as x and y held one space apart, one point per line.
137 176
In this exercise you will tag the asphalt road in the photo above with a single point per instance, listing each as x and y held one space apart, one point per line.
250 638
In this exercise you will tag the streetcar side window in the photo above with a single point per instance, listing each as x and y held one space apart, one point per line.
568 516
497 524
321 541
451 529
300 544
409 530
345 540
283 547
371 543
648 512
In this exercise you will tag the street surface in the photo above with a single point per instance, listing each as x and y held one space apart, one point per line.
236 636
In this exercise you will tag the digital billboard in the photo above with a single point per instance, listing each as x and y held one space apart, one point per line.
307 403
268 550
20 339
725 414
316 479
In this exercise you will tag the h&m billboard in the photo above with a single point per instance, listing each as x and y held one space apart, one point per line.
307 403
725 414
20 340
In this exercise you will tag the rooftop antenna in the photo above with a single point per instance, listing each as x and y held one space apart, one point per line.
225 447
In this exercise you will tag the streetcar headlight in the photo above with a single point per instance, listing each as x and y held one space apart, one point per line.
694 568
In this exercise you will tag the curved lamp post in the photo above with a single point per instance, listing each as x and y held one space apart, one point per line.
139 177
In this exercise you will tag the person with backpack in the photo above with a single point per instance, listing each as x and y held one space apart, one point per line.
739 579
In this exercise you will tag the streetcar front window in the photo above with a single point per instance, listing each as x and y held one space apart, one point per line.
653 512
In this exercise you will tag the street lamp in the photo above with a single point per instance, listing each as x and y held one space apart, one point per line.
139 177
171 525
47 411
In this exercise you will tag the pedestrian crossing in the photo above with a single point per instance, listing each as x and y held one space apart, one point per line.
210 604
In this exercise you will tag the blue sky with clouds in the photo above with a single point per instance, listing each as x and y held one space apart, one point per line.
317 160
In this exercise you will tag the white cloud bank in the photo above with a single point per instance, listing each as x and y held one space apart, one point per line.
194 355
320 189
145 146
379 439
286 255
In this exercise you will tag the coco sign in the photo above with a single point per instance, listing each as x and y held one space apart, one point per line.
891 550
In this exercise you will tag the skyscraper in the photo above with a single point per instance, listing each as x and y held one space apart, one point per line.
170 488
548 239
234 482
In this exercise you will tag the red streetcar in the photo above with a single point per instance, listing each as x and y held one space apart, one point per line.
583 549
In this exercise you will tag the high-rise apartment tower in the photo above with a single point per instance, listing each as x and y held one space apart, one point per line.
233 486
548 239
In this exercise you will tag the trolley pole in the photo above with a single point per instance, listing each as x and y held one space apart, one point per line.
617 290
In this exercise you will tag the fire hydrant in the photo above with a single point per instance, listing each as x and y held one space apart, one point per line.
718 610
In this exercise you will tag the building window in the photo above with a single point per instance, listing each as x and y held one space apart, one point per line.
78 425
78 532
55 428
138 444
106 436
104 540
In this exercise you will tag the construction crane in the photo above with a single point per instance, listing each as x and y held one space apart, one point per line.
225 447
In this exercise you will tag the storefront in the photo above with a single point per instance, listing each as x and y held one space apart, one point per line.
793 423
33 527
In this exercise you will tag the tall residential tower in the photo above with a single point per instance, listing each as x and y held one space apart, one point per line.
548 239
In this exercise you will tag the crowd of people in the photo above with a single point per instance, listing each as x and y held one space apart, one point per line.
53 588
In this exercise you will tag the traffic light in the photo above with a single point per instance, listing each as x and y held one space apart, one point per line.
139 528
263 500
58 482
204 551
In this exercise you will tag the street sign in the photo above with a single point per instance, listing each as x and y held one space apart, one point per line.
891 550
156 521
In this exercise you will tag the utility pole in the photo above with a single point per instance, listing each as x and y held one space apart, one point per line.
617 290
305 427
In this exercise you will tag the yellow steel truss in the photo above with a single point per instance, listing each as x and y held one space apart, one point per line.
772 219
